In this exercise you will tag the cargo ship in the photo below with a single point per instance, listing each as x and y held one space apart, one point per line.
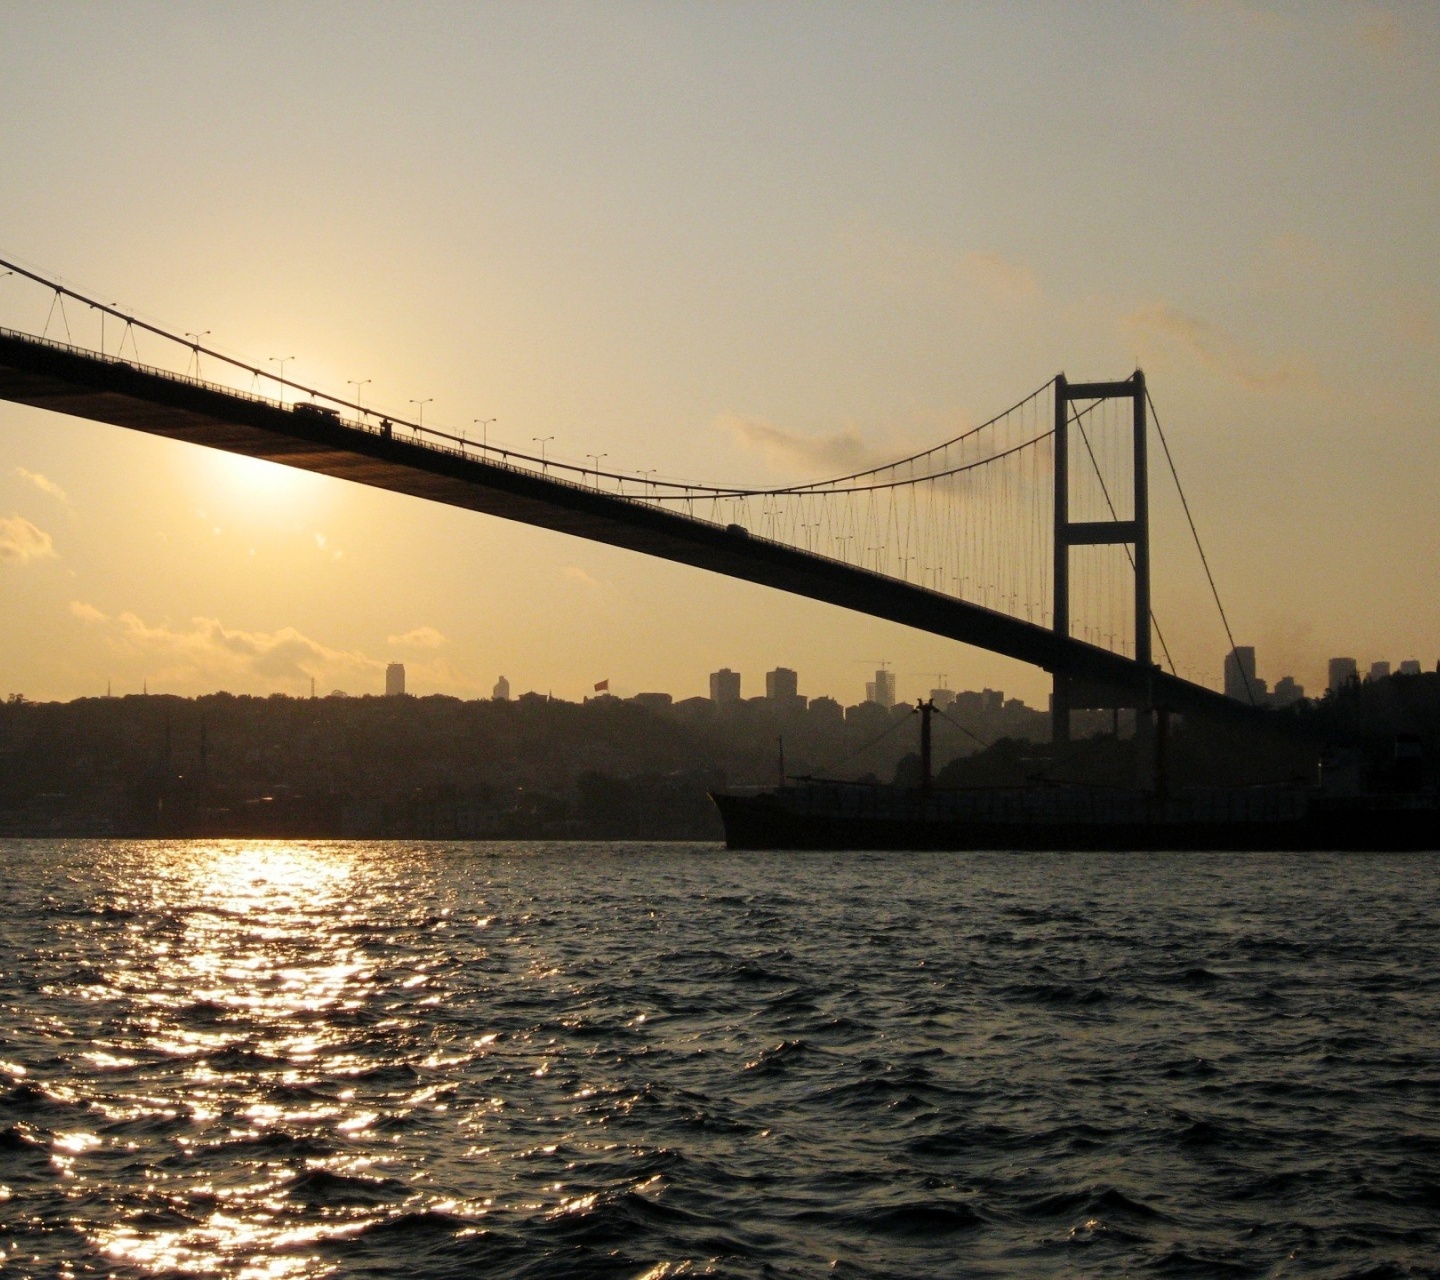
812 814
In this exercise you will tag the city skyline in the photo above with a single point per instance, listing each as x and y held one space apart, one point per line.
617 618
642 274
1240 679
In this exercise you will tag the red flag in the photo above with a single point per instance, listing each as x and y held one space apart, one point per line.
603 687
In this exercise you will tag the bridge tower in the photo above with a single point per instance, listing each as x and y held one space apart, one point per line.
1134 532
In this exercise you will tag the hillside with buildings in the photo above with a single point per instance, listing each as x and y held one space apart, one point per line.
399 765
641 767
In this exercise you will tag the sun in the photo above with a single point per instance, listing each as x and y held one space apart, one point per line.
252 487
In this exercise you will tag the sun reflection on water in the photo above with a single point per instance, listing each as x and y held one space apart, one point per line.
242 993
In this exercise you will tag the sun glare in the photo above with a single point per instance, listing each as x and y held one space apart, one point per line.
256 480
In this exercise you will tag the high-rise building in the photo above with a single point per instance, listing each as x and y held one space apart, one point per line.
882 690
1287 692
1342 672
501 691
1410 667
1379 671
1240 681
970 703
724 686
782 685
942 698
394 679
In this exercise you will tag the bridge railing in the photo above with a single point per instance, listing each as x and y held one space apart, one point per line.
436 441
943 516
425 437
678 500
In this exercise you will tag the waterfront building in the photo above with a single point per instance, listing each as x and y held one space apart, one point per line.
1410 667
1379 671
942 698
395 680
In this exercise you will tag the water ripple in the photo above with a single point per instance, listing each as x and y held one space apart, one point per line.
261 1059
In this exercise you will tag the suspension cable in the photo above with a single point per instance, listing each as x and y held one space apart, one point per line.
1129 555
679 489
845 759
1194 533
908 482
941 712
925 453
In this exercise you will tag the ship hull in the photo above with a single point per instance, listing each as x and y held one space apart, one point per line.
772 821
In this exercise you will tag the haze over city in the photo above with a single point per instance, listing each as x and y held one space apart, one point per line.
744 244
605 671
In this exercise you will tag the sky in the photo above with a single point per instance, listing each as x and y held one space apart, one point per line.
729 242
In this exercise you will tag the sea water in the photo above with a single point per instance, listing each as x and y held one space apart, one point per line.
287 1059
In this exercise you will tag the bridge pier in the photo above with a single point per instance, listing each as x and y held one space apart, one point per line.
1059 710
1145 744
1135 532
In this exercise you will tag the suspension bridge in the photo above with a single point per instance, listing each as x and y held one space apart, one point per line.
1027 535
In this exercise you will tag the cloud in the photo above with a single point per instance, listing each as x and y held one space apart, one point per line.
576 574
1379 33
1163 326
43 483
87 612
21 541
207 653
1002 279
419 638
906 265
842 451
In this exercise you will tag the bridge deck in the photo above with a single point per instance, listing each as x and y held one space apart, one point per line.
72 381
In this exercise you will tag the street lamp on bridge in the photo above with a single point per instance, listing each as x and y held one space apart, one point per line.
357 384
542 441
282 361
194 347
484 425
595 458
420 415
